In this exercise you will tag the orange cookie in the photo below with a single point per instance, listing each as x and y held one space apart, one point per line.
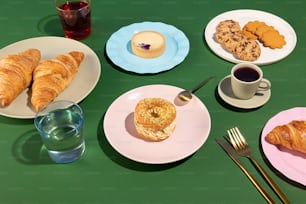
251 26
273 39
261 29
249 34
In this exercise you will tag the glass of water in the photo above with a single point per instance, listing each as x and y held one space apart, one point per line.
60 127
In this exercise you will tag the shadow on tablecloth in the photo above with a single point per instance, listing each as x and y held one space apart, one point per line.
29 149
50 25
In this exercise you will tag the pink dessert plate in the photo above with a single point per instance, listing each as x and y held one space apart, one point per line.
291 164
192 127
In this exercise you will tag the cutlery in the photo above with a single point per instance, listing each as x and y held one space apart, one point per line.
242 147
186 95
232 153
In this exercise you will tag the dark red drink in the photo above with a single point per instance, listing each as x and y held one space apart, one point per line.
75 19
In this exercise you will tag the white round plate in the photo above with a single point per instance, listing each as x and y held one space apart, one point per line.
82 84
227 95
291 164
243 16
192 127
118 48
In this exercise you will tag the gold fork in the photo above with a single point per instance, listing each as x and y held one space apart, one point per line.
242 147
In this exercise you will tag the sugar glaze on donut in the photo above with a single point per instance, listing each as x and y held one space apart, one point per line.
154 119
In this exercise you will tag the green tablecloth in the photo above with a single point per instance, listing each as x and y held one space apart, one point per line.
104 176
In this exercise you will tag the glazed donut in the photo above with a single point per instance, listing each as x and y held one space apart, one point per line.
154 119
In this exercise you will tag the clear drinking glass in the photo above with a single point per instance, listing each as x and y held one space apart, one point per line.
75 17
60 126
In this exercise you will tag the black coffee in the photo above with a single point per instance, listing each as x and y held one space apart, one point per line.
246 74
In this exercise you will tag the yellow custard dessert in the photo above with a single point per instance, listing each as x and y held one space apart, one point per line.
148 44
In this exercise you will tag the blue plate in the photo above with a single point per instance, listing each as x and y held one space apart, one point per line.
118 48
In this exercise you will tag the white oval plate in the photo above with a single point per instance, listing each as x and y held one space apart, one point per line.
290 163
82 84
192 127
118 48
243 16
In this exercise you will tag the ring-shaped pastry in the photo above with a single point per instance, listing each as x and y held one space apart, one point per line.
154 118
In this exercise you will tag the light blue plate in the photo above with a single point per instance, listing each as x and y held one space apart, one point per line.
118 48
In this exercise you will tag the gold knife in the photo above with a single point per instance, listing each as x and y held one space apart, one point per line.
231 152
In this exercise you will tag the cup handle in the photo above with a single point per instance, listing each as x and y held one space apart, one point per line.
264 85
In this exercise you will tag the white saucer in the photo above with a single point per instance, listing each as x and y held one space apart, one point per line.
225 92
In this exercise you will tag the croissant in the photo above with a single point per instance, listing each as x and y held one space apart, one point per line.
16 74
51 77
291 135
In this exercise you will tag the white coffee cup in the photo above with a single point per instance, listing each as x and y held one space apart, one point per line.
247 79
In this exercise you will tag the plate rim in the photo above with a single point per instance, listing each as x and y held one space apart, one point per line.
21 43
147 161
266 147
179 57
233 59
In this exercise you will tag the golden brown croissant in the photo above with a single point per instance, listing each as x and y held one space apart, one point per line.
291 135
16 74
51 77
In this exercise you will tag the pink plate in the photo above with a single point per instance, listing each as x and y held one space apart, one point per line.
192 127
292 164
